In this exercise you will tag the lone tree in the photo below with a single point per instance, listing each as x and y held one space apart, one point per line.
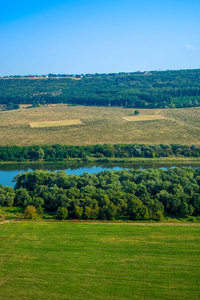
136 112
41 153
30 212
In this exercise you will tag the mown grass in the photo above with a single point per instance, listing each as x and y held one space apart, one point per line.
139 118
100 125
45 260
55 123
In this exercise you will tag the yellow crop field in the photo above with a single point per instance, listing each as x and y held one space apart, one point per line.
55 123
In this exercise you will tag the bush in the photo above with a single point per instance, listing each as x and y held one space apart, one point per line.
62 213
2 218
30 212
158 216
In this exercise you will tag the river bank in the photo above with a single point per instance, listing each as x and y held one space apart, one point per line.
112 160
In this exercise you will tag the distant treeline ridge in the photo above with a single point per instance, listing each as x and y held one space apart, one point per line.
166 89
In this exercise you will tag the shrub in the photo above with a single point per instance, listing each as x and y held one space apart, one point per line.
30 212
158 216
2 218
62 213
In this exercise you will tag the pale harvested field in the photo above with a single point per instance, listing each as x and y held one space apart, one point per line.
55 123
137 118
100 125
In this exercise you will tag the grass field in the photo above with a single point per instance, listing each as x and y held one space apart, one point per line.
100 125
46 260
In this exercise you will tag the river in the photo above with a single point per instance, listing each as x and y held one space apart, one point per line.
9 171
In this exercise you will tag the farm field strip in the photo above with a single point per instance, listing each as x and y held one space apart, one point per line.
58 260
144 118
56 123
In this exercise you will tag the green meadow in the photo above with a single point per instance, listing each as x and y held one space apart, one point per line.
68 260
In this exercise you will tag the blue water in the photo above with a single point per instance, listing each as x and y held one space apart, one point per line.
8 172
6 177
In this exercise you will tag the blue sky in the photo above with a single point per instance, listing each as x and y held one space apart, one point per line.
98 36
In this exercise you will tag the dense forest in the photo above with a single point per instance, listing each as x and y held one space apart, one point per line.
130 194
62 152
163 89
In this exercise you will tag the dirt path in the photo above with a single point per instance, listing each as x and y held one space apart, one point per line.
183 123
142 224
177 120
119 223
157 112
3 222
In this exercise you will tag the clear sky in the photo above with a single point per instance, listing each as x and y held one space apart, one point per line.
98 36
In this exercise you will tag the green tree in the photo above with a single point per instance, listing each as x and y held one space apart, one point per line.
137 210
41 153
78 211
62 213
108 212
184 210
87 213
23 198
196 204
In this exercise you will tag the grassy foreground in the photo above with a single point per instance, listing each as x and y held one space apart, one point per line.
44 260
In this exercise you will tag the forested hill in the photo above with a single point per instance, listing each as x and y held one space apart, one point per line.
164 89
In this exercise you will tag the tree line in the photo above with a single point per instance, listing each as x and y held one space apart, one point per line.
61 152
165 89
133 194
